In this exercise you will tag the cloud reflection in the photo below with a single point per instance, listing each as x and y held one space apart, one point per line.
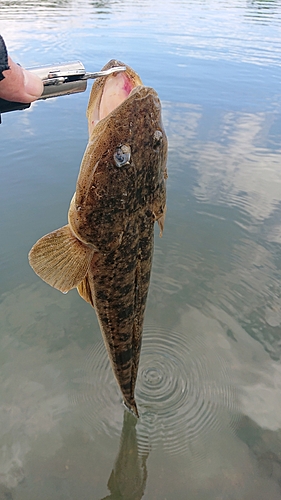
241 172
225 195
45 442
231 155
33 394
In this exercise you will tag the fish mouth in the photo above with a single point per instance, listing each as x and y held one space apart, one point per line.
116 89
113 90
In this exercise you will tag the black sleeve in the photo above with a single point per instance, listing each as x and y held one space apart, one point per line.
3 58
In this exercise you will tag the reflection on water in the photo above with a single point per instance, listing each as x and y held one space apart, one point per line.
184 391
237 189
241 170
46 439
209 379
127 480
235 154
262 10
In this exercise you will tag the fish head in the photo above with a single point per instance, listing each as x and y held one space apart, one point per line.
109 92
124 166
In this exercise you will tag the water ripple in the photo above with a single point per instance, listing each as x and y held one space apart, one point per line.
96 393
182 393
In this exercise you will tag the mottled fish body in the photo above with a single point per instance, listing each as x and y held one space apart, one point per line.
106 248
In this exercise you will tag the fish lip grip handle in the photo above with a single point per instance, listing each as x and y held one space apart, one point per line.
62 79
58 79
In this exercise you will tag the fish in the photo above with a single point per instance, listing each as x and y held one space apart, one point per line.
105 250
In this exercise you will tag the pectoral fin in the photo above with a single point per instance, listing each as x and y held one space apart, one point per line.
161 221
84 290
60 259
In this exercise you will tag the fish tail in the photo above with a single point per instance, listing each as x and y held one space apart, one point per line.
131 407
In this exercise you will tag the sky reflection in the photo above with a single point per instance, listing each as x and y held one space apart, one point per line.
216 271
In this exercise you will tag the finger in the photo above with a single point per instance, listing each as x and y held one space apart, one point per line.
20 85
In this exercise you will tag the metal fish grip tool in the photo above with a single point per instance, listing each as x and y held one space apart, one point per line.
58 80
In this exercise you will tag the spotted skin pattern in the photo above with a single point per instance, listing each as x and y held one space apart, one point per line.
120 193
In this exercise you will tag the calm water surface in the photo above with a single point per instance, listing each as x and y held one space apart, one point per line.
209 386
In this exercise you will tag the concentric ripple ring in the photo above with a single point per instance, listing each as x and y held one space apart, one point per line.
183 392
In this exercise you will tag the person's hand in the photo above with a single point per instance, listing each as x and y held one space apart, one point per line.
19 84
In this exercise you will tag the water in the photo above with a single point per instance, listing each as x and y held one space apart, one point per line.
210 376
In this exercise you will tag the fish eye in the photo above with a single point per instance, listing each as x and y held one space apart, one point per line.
122 155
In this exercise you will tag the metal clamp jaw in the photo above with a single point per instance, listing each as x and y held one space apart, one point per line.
58 80
62 79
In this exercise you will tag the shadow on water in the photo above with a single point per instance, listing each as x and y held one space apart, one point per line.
127 480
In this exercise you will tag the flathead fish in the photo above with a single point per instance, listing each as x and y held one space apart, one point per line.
106 248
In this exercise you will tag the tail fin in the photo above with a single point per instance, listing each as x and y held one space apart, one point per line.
132 407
